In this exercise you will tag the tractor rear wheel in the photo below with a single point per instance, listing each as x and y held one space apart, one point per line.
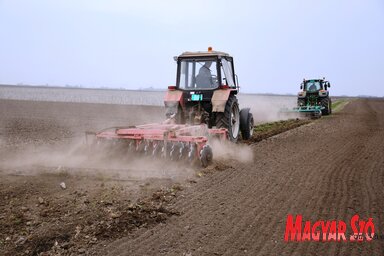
325 102
230 118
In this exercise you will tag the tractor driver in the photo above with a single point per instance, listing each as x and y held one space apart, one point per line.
313 87
204 78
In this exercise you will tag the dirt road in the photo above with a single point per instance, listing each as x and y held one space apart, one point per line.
331 169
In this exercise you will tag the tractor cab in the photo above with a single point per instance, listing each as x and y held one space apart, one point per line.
208 70
314 85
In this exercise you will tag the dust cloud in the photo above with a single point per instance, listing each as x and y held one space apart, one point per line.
268 108
79 159
226 150
48 137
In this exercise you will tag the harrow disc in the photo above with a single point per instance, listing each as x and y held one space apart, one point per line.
175 152
165 150
131 146
148 148
157 147
192 154
184 150
140 148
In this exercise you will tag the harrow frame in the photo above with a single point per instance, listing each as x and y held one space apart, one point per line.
311 111
176 141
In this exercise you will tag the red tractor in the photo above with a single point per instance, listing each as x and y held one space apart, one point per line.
205 92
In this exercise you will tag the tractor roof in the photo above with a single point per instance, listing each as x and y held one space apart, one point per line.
316 79
204 54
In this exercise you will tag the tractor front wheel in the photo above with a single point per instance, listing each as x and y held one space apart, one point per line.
246 124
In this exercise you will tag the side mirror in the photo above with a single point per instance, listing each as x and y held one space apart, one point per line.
329 85
301 87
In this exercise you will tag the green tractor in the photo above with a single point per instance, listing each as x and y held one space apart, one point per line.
314 97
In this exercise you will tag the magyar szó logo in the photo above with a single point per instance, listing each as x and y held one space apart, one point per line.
329 230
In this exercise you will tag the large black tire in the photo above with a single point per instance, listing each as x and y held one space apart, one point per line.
300 102
330 106
230 118
246 124
325 102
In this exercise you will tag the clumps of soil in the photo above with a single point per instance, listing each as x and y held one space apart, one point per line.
122 218
75 222
264 131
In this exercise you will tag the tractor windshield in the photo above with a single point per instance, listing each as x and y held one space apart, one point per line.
312 86
197 74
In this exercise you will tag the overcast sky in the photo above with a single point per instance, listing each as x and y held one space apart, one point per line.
131 44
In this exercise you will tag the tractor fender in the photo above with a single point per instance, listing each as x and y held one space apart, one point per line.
173 98
219 100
